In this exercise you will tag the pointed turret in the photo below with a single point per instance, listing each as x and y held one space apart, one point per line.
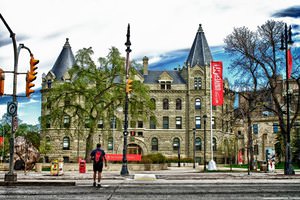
64 61
200 52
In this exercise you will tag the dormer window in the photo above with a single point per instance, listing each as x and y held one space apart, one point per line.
165 85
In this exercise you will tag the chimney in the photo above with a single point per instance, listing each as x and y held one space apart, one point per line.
145 65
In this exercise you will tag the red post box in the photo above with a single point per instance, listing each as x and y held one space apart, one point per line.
82 166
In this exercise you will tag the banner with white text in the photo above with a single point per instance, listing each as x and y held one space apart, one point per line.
217 83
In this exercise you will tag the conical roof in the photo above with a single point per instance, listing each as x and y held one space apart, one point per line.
200 52
64 61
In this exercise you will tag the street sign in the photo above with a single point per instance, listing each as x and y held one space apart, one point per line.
12 108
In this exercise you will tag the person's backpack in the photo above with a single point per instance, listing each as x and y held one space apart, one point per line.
98 156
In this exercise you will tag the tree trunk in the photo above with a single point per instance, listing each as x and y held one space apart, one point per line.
89 145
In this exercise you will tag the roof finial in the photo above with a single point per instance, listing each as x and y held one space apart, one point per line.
67 44
200 28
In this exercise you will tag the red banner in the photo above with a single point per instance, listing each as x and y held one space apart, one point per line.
119 157
217 83
1 140
290 63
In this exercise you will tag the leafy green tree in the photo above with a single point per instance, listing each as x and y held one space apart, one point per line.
93 92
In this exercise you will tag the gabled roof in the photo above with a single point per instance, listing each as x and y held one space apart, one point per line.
200 52
154 76
65 61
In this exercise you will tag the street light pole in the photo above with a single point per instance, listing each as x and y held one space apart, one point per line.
194 147
204 157
286 39
124 170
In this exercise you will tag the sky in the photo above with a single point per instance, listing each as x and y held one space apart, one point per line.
160 29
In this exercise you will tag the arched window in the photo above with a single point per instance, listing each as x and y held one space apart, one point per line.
67 121
197 104
176 144
153 101
198 145
110 143
66 143
214 144
166 104
154 144
178 104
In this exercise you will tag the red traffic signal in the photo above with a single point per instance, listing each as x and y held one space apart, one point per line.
132 133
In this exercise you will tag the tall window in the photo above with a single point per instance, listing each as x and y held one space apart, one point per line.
176 144
154 144
213 122
165 85
110 143
178 122
255 128
166 104
214 144
48 121
140 124
100 124
66 121
197 104
197 83
152 122
198 122
66 143
178 104
198 144
275 127
153 101
165 122
67 101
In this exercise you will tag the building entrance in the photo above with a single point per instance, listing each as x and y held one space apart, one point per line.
134 149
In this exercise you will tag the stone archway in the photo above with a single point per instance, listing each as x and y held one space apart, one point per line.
134 149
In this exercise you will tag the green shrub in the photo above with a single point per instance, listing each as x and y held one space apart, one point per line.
154 158
182 160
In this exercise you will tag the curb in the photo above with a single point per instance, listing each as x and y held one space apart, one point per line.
38 183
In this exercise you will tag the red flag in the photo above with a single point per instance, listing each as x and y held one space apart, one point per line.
290 63
217 83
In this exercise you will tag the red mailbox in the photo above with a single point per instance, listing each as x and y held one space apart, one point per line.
82 166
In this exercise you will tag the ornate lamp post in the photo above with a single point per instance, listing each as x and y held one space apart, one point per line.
204 157
286 39
124 170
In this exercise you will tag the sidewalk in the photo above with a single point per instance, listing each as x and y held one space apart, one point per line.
172 174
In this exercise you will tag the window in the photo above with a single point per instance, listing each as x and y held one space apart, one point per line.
255 128
48 121
197 122
178 104
176 144
275 128
165 122
140 134
140 124
213 122
153 101
198 144
66 121
100 124
49 83
66 143
166 104
48 143
197 83
178 122
214 144
165 85
152 123
67 101
110 143
197 104
113 122
154 144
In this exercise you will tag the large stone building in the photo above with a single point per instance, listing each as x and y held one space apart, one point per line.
182 99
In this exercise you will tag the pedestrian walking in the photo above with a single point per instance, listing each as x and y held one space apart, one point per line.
98 155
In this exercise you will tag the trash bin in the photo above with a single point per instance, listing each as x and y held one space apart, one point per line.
54 169
263 167
82 166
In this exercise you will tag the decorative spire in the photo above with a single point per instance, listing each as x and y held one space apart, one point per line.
200 28
67 44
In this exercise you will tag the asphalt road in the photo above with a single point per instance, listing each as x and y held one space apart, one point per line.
158 190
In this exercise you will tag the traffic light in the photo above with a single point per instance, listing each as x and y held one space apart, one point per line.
132 133
33 63
31 75
129 85
29 84
1 82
